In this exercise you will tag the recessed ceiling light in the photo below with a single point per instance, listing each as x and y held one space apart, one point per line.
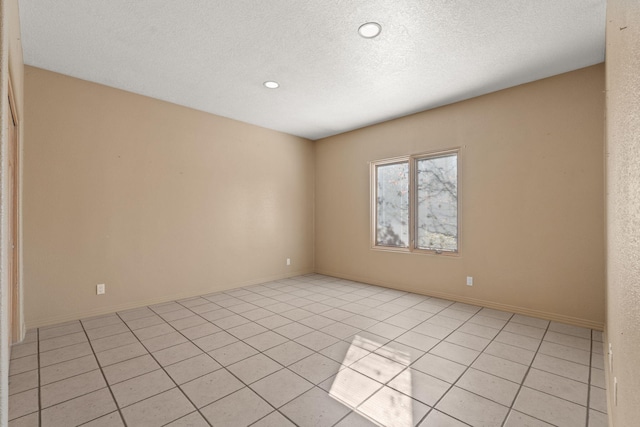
271 85
369 30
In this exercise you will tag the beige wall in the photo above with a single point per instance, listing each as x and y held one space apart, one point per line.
532 226
155 200
623 208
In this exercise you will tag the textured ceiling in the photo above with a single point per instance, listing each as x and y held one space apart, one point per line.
215 55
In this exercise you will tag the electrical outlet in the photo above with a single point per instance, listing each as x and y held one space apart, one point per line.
288 261
100 289
469 281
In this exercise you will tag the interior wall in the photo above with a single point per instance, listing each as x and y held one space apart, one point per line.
154 200
623 209
11 66
531 200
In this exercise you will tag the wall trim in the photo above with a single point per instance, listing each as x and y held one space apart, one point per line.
48 321
576 321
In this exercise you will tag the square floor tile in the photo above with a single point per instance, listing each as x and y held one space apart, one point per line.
549 408
265 340
400 353
438 367
164 341
417 340
516 340
153 331
113 341
433 331
316 340
50 344
120 354
237 410
200 331
247 330
571 354
187 322
377 367
471 341
139 388
438 419
254 368
232 321
63 354
509 352
273 321
356 420
79 410
472 409
54 393
145 322
518 419
293 330
565 388
21 404
24 381
288 353
158 410
130 368
345 353
61 371
23 364
211 387
489 386
171 355
281 387
390 407
315 368
479 330
422 387
215 341
456 353
232 353
316 322
499 367
193 419
314 408
598 399
193 368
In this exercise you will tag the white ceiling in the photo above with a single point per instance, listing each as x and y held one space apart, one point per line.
214 55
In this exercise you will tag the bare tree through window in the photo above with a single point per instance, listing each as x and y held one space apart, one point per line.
434 205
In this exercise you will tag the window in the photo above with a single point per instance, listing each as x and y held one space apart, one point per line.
415 203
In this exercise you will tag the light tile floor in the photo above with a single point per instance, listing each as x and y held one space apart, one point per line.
309 351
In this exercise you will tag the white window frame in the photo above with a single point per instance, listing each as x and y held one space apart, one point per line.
413 205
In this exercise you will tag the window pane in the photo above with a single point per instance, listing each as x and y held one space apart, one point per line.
392 226
437 203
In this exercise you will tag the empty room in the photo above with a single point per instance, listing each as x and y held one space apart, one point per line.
418 213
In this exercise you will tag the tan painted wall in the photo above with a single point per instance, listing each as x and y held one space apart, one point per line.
532 226
155 200
623 208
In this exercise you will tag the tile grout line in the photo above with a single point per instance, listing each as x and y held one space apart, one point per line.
167 374
104 378
39 380
433 408
589 379
524 378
